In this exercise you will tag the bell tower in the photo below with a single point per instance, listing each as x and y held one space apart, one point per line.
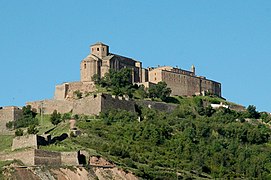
99 49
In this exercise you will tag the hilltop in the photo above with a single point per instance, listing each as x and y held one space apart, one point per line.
193 141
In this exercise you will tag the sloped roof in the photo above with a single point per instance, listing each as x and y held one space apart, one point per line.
99 43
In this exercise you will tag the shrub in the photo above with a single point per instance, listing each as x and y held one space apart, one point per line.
9 125
32 129
55 118
19 132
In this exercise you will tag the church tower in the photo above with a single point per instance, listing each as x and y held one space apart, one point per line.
99 49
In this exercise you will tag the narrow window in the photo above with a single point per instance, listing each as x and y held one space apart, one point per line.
155 78
92 49
103 49
85 66
97 49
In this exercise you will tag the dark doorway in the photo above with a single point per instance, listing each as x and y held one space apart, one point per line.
81 158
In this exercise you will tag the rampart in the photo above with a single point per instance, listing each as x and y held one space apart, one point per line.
30 157
26 156
42 157
9 113
94 104
66 90
30 140
160 106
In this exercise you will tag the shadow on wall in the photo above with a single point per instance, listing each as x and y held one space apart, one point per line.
62 137
81 158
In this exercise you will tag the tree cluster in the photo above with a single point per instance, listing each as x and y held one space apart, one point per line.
28 120
190 140
120 83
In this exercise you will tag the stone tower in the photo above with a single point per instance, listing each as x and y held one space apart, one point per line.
92 64
193 69
99 49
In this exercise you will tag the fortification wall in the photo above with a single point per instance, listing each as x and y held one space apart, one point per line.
66 90
24 142
9 113
48 106
108 102
160 106
42 157
69 158
90 105
31 140
94 104
26 156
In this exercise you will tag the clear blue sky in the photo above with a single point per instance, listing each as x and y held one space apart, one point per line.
43 42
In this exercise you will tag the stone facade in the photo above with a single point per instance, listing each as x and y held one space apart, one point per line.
184 83
9 113
28 141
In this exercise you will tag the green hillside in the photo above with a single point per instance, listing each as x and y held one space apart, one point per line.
194 141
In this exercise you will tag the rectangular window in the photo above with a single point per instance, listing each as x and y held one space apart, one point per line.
97 49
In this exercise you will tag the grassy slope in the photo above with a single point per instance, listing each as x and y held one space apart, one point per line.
5 143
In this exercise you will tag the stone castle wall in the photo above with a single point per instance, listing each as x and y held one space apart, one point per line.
94 104
69 158
66 90
42 157
32 157
114 102
48 106
25 141
26 156
160 106
9 113
185 85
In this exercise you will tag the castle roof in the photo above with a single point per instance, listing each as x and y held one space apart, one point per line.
99 43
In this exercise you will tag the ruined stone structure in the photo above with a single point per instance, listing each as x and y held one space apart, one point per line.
32 157
29 141
9 113
100 60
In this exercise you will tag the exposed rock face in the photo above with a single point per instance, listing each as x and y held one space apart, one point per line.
108 172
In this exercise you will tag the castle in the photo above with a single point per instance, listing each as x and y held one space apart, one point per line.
100 60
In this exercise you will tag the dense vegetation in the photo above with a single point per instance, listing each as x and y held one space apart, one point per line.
193 140
120 83
28 120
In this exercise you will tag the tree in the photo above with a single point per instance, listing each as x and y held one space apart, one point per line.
252 113
9 125
32 129
159 90
55 118
96 79
78 94
19 132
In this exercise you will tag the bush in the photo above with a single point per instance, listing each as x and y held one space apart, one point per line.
9 124
19 132
32 129
55 118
